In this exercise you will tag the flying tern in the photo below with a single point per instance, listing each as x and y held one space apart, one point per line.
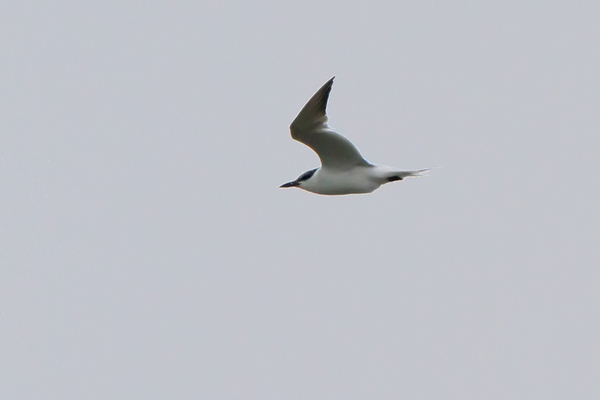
343 169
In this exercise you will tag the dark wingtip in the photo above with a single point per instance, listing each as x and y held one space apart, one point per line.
314 108
323 94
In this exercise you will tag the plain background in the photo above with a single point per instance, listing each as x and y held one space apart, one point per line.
147 252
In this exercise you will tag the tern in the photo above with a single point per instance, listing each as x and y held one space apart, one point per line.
343 169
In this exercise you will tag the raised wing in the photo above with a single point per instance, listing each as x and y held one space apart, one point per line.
310 127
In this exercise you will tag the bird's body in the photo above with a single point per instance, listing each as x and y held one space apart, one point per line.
333 182
343 169
355 180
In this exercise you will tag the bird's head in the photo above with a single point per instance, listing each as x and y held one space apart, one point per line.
302 178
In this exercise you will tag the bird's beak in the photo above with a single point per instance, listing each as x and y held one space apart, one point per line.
289 184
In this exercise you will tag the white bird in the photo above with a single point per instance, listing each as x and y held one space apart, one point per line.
343 169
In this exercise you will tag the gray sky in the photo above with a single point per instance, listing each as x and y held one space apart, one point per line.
147 252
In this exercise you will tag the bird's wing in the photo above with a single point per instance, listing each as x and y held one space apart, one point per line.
310 127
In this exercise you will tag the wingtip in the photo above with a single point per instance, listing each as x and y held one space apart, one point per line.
329 83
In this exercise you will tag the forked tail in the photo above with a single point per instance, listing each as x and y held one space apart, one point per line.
399 175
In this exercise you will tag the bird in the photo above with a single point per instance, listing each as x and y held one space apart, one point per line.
343 169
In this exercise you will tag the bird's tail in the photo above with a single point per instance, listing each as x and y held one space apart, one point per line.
399 175
420 172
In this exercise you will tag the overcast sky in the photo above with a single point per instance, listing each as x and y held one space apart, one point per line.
147 252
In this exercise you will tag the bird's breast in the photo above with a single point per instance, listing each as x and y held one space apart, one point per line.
335 182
